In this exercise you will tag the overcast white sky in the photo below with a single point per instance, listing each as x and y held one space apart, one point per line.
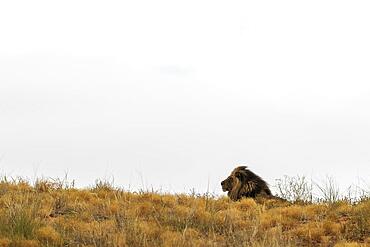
174 94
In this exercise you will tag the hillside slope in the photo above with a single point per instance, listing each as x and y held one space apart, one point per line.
49 214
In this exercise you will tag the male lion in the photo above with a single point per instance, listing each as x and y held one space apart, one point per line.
244 183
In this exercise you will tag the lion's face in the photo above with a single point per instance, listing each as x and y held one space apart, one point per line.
235 178
228 183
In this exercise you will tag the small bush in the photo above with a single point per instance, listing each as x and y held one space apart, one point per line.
295 189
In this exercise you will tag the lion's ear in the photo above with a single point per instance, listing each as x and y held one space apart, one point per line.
242 167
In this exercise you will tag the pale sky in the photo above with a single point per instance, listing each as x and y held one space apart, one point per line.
172 95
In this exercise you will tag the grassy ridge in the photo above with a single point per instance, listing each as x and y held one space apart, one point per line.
53 214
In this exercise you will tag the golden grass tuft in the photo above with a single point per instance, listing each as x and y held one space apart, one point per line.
350 244
4 242
246 204
48 235
25 243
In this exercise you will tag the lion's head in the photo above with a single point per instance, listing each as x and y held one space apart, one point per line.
231 181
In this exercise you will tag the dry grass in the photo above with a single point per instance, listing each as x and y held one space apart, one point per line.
50 213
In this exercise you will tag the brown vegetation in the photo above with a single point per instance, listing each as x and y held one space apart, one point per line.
50 214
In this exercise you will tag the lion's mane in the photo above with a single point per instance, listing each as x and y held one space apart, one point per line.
244 183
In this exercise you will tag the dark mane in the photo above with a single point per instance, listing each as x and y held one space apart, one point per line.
261 186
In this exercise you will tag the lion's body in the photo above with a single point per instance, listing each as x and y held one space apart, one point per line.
244 183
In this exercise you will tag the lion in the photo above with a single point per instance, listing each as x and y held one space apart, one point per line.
244 183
